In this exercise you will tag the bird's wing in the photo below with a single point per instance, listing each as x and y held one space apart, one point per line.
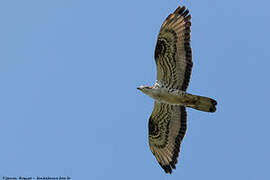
167 127
173 54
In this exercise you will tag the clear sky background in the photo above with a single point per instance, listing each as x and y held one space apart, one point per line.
68 99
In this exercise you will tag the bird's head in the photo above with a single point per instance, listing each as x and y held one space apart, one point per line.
145 89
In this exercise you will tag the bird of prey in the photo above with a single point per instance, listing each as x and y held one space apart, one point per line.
168 121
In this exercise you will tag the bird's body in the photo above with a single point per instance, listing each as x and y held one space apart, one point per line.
168 121
163 94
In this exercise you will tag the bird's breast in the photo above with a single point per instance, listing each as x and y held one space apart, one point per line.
169 96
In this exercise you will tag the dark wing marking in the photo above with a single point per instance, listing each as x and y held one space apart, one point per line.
173 52
167 127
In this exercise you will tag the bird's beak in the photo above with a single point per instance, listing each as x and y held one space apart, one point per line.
139 88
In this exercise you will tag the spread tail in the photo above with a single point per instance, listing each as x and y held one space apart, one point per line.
201 103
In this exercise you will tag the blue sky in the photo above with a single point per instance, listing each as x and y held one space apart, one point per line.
68 99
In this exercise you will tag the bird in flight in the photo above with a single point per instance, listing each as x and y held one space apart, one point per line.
168 121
